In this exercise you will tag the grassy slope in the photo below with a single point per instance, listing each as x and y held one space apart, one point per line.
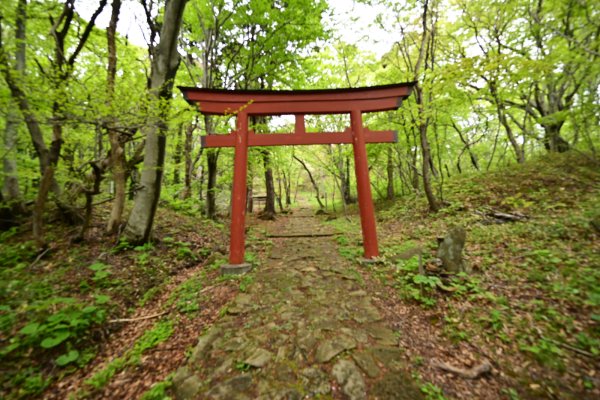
54 308
532 301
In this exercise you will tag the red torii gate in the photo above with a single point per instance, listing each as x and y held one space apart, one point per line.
244 103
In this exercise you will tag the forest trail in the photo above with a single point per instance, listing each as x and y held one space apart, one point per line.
305 327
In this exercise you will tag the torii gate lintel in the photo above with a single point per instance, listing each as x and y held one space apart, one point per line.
245 103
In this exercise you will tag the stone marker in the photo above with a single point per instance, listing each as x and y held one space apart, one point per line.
450 250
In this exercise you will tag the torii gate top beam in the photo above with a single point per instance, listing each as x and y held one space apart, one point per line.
322 101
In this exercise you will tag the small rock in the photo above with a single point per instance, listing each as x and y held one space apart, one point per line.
181 375
383 335
222 369
331 348
315 381
282 353
243 299
367 313
234 344
204 344
259 358
350 379
391 357
306 341
398 386
231 389
366 363
189 388
357 334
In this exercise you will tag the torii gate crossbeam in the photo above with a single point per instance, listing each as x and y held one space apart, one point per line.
245 103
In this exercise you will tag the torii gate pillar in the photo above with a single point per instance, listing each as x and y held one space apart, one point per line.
363 187
336 101
238 195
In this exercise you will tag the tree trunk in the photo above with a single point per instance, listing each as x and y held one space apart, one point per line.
412 154
287 186
279 193
390 174
96 177
269 210
40 206
467 147
117 153
422 118
249 198
12 193
187 151
312 180
165 62
119 175
553 142
177 156
519 153
345 180
212 157
426 154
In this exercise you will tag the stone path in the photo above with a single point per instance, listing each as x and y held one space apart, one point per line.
306 328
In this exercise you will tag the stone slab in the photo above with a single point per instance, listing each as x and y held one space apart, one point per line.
235 269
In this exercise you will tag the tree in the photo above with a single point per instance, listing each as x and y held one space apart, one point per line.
58 74
117 152
312 181
165 62
537 56
248 45
11 129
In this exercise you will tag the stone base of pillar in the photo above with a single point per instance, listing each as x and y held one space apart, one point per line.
235 269
369 261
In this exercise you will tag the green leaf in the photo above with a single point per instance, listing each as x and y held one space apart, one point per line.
100 275
9 348
89 309
102 298
30 329
67 358
98 267
55 340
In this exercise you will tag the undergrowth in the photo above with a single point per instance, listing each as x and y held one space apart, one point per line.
533 290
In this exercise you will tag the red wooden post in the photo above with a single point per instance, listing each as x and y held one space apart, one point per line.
363 186
238 194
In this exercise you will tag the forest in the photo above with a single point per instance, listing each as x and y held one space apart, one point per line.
114 219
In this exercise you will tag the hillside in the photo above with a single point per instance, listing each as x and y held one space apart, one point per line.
99 318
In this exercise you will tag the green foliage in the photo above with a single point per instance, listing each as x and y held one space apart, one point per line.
346 248
13 254
242 366
545 351
101 273
413 285
432 392
160 332
186 296
245 281
158 391
65 327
